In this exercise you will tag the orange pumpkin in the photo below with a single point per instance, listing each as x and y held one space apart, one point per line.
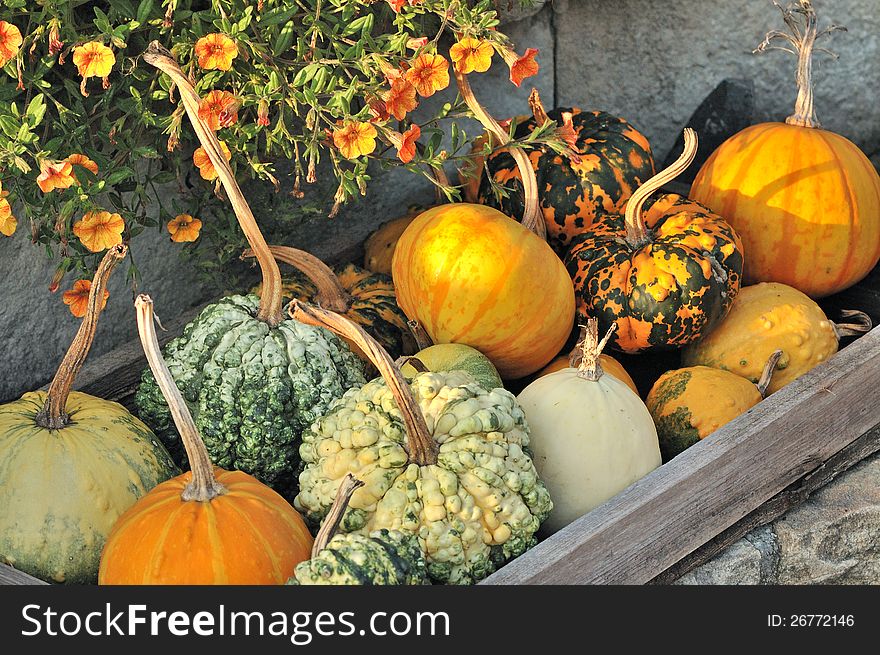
805 201
208 526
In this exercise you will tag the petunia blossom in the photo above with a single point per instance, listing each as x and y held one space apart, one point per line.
77 298
406 143
401 98
78 159
93 59
216 52
471 55
219 109
8 222
203 162
55 175
521 67
429 73
10 41
355 139
184 228
99 230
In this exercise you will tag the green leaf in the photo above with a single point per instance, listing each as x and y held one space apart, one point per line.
36 110
285 38
144 9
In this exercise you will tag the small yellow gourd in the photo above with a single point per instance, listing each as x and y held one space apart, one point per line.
689 404
592 436
770 316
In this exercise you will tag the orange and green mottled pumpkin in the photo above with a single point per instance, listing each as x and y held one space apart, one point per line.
365 297
805 201
612 159
207 526
666 276
689 404
469 274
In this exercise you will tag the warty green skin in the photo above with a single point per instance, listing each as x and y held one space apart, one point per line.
474 510
252 388
385 557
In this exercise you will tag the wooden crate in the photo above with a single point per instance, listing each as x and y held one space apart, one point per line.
748 473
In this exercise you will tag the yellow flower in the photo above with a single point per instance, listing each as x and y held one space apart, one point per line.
203 162
355 139
93 59
216 51
77 298
8 222
219 109
99 230
81 160
184 228
10 41
55 175
429 73
471 55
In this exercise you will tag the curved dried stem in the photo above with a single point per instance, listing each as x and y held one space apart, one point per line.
860 324
331 522
270 295
331 294
767 373
204 486
532 217
420 334
421 446
53 415
636 231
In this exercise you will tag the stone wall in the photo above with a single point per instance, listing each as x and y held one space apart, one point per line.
649 62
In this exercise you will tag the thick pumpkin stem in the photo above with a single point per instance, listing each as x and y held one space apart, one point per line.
860 325
331 522
331 294
532 217
421 446
420 334
589 367
270 295
800 40
53 415
204 486
767 373
636 232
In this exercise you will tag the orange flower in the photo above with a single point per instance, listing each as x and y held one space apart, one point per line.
99 230
184 228
401 98
55 42
216 52
8 222
406 143
77 298
397 5
219 109
429 73
355 139
55 175
81 160
10 41
263 112
93 59
471 55
203 162
521 67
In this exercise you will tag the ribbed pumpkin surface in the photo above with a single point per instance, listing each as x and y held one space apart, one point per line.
805 201
471 275
164 540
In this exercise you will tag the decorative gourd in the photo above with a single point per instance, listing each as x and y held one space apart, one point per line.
253 380
592 435
385 557
609 365
208 526
665 275
366 298
455 357
441 458
689 404
805 201
70 464
379 246
469 274
770 316
610 159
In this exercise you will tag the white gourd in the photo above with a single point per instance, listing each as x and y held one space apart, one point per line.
591 436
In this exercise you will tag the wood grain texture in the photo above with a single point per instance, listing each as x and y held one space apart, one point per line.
686 503
11 576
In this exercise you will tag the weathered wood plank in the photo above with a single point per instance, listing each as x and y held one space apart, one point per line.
11 576
797 493
716 483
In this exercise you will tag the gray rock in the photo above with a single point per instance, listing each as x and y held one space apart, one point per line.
832 538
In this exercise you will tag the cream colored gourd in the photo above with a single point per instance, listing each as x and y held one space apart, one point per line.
591 435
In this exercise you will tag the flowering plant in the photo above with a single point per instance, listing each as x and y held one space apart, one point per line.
89 133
